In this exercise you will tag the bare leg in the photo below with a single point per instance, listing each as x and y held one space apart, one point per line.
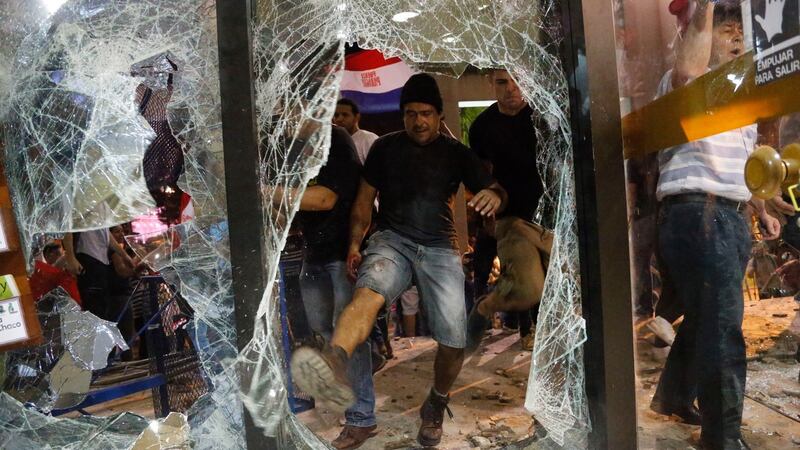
356 321
446 368
324 374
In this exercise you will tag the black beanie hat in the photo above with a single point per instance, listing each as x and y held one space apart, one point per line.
421 88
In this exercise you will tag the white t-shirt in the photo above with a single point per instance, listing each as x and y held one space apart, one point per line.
363 140
95 244
713 165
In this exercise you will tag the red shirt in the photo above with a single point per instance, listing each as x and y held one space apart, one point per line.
45 278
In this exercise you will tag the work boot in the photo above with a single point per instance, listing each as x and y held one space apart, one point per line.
323 375
526 343
432 414
353 437
476 327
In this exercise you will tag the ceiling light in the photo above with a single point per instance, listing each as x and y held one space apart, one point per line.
404 16
53 5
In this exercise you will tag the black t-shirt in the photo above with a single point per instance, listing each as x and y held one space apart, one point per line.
509 143
119 285
417 185
327 233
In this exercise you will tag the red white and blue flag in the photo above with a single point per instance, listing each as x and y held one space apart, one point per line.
374 82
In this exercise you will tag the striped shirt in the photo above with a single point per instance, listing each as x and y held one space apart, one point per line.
712 165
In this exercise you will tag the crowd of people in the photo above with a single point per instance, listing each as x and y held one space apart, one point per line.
395 230
97 269
379 229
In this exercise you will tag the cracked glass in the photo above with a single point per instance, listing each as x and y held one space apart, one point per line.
299 48
699 181
111 115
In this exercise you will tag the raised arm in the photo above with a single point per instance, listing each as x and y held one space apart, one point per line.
694 50
360 220
116 247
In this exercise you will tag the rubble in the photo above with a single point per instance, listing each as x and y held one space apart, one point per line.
771 335
480 442
498 432
792 392
405 442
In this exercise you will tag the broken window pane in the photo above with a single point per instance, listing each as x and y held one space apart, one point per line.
705 255
77 140
111 115
299 56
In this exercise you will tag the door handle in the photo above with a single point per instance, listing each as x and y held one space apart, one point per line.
767 172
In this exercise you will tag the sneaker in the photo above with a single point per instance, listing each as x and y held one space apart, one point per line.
735 444
323 375
432 415
476 325
387 351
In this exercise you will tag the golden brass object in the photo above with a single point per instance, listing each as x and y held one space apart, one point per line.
767 172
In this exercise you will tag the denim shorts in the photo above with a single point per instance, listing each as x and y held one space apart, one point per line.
391 261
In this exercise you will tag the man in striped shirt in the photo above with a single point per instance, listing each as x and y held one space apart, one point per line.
704 244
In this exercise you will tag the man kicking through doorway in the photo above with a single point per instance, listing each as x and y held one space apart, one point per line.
417 172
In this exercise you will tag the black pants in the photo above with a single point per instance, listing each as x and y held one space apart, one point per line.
485 252
93 284
643 245
295 311
705 247
525 320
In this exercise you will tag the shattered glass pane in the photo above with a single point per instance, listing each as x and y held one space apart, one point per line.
299 49
72 81
672 150
110 109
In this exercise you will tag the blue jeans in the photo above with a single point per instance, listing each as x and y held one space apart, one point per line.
326 291
704 247
390 262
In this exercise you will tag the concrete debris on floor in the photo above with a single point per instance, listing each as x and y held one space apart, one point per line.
487 400
771 417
